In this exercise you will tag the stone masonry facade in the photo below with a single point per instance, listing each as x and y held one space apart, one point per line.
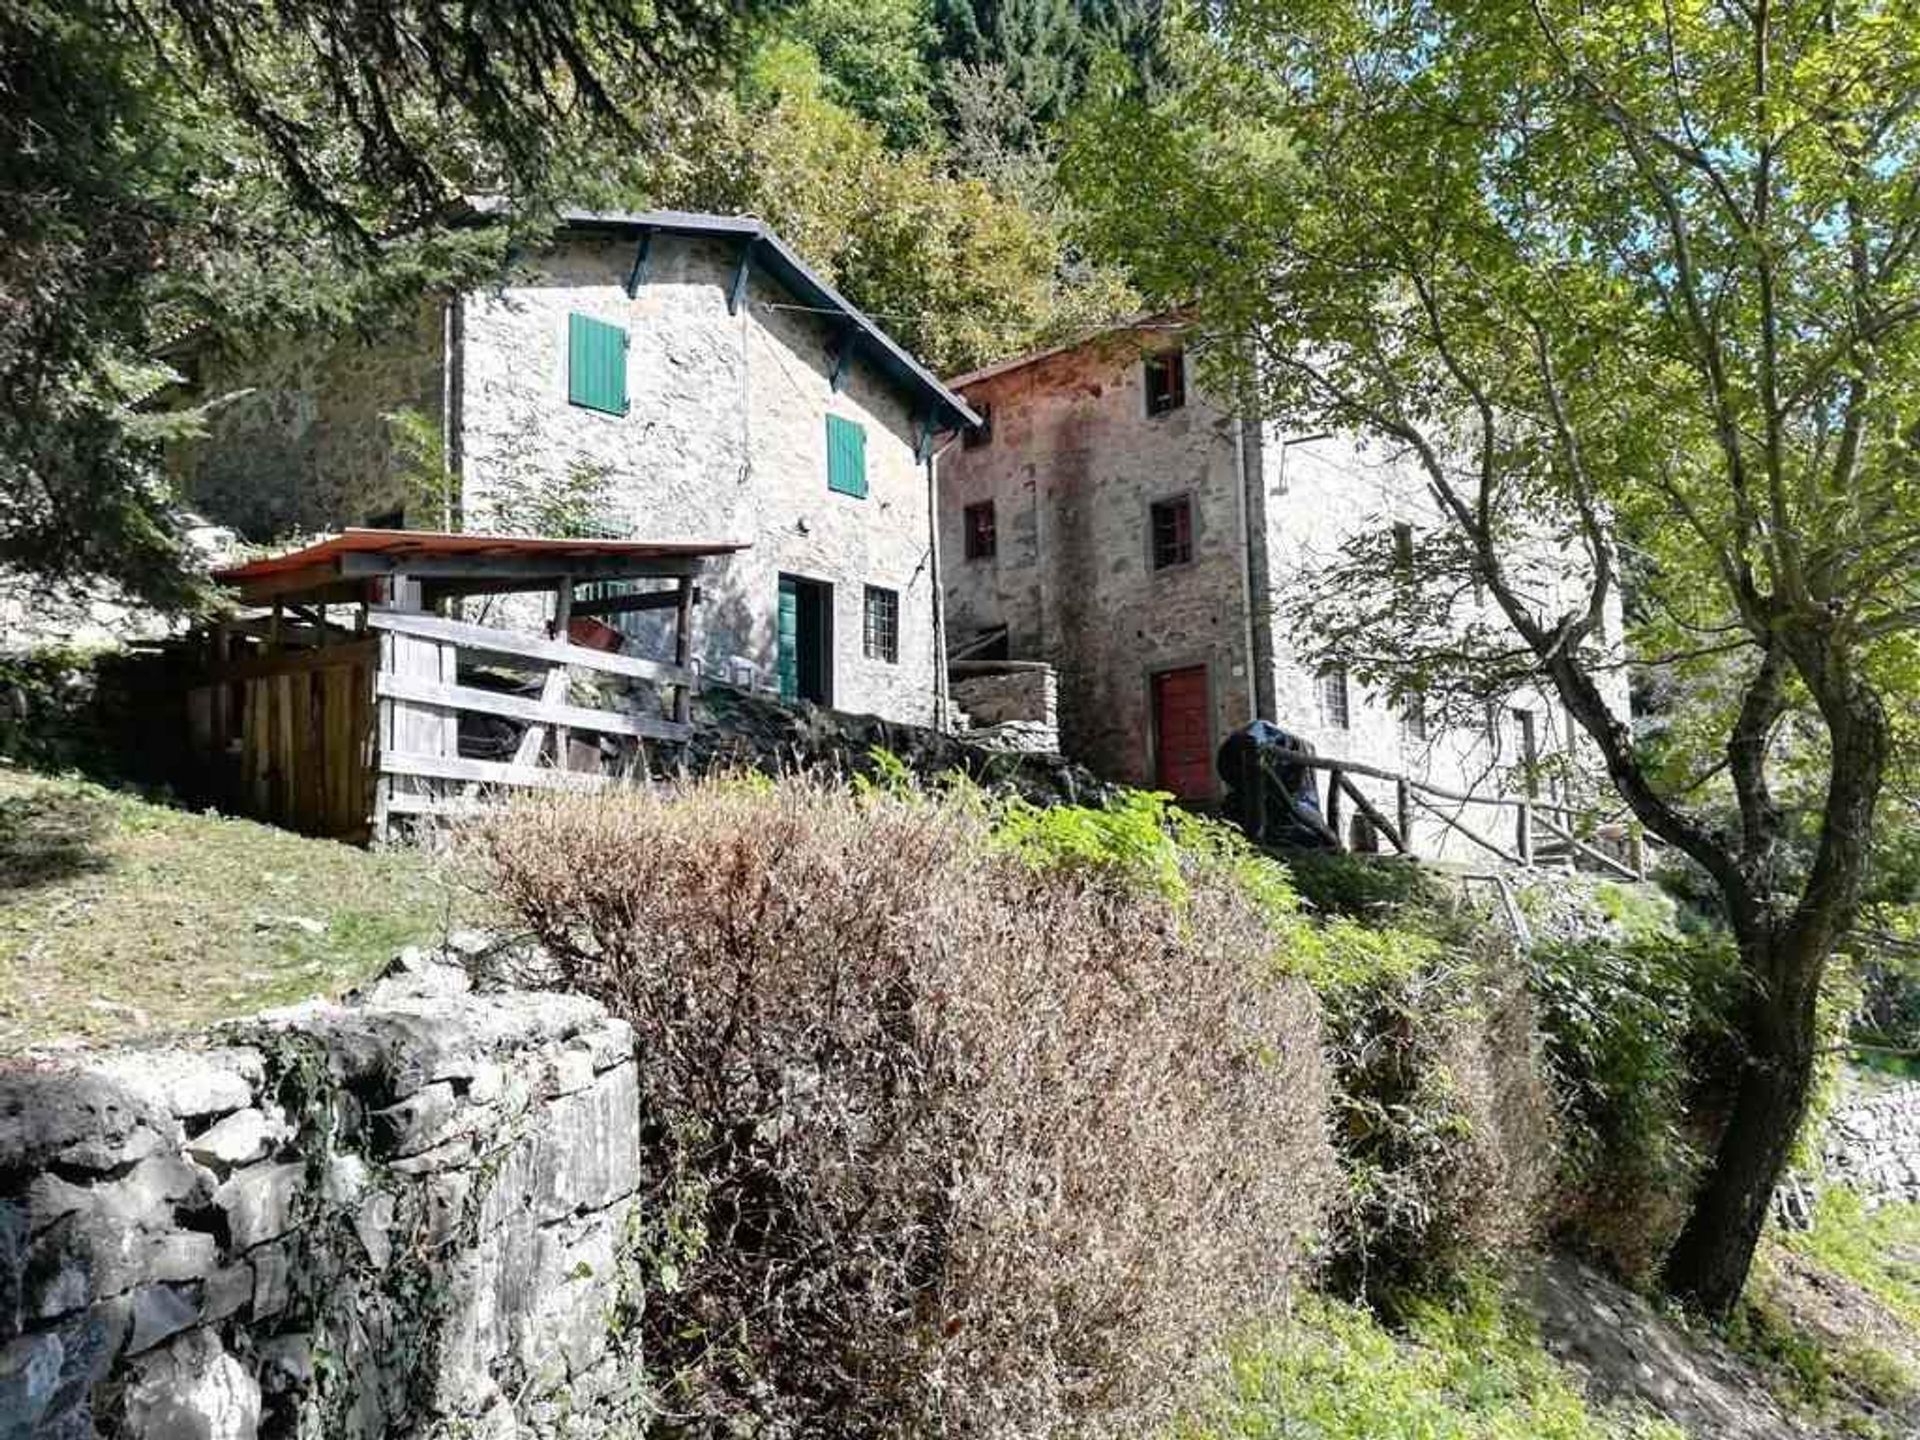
1073 468
724 439
406 1214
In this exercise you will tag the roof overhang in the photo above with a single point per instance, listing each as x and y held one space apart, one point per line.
774 256
338 567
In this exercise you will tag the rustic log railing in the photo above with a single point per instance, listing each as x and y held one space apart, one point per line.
1411 796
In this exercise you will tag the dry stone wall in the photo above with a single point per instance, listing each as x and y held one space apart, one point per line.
403 1215
1872 1145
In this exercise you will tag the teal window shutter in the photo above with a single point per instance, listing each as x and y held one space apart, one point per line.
846 457
596 365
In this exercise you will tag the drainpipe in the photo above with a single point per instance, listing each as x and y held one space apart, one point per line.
452 408
942 706
1255 574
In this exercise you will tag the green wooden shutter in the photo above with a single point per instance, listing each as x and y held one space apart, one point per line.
846 457
596 365
787 636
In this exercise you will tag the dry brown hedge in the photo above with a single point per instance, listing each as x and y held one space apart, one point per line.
947 1145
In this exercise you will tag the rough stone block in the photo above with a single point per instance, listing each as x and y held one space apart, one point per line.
228 1290
192 1390
85 1120
260 1202
272 1274
160 1311
426 1118
29 1375
239 1139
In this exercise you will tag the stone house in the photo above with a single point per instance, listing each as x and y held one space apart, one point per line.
670 376
1115 521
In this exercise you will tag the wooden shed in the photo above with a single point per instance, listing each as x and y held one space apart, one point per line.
358 692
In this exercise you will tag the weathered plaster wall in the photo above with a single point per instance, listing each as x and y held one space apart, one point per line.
384 1218
1321 492
725 440
300 442
1073 466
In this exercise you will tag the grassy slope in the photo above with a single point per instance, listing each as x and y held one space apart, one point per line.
1470 1370
119 916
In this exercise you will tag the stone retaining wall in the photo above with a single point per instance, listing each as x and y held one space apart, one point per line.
403 1215
1872 1145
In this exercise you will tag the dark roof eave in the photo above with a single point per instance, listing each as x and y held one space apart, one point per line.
795 275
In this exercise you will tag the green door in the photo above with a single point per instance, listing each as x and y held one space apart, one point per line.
787 630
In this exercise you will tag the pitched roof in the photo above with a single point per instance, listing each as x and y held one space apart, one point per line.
777 258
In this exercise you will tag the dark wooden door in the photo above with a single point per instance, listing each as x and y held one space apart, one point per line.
1182 737
804 635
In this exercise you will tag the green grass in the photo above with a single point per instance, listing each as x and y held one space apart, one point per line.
119 916
1878 1250
1468 1370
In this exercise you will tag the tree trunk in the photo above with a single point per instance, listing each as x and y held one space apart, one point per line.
1708 1265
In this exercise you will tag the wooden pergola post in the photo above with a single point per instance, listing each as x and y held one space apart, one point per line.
683 647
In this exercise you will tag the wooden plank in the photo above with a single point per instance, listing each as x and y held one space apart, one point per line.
535 572
630 604
1480 840
492 641
1600 857
683 649
521 707
294 662
487 772
1372 812
464 807
1327 762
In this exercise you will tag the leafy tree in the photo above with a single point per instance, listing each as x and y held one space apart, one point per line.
873 56
960 273
1639 281
172 165
1042 50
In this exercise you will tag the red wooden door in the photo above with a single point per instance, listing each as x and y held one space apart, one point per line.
1182 739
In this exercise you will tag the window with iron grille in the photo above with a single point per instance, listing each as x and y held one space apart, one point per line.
1334 710
1166 381
982 540
1172 522
882 630
981 434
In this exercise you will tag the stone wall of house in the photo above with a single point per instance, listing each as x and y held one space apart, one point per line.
725 440
298 437
397 1216
1073 466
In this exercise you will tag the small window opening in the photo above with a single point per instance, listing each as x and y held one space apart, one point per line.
1166 381
1172 522
982 538
1334 709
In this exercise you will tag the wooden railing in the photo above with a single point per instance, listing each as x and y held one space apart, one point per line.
1532 816
420 701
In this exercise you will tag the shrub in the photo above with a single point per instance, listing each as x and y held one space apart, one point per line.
955 1137
1635 1035
1443 1125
